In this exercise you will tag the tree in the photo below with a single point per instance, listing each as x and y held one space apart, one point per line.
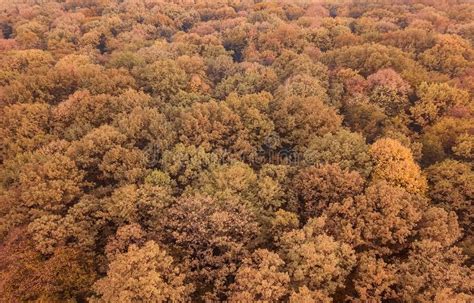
142 274
440 139
253 78
130 204
122 205
127 235
185 163
103 155
298 119
235 180
346 87
81 112
394 164
435 100
382 220
211 238
272 188
253 111
235 40
450 187
345 148
123 165
163 78
319 186
389 91
282 222
365 118
220 129
439 225
369 58
414 40
261 278
219 67
78 72
373 279
64 275
290 64
195 71
65 32
430 270
451 54
47 182
23 128
304 295
315 260
31 34
147 129
303 86
464 147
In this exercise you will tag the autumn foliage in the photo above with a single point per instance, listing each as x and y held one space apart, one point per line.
236 151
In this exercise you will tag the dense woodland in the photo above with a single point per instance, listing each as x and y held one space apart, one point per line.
236 151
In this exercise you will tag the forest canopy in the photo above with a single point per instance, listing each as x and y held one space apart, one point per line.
236 151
